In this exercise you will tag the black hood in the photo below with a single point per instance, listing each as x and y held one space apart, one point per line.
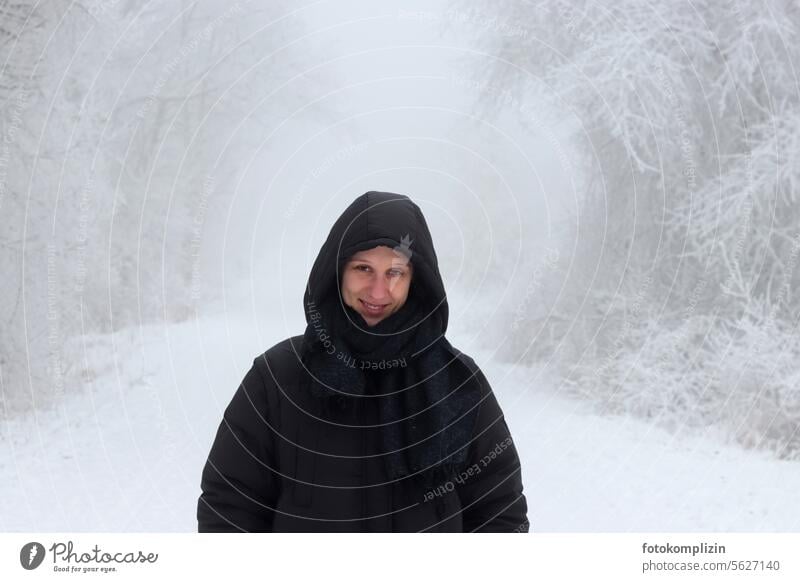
404 360
380 219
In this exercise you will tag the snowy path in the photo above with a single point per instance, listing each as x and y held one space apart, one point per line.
126 455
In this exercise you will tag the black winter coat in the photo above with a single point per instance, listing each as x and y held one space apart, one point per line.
273 468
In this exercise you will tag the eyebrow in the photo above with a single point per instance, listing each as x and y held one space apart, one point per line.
407 264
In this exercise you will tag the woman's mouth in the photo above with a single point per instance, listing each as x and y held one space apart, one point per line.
373 309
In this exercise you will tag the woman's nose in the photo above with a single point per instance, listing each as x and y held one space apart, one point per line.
380 288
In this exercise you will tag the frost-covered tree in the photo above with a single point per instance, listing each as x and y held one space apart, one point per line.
27 261
680 302
122 124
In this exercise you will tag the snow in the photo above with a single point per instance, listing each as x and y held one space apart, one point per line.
125 454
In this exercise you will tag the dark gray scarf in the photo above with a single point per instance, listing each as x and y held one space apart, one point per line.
427 421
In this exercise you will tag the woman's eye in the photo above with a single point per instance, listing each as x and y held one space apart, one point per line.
368 269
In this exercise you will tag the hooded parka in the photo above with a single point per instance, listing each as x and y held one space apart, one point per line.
301 451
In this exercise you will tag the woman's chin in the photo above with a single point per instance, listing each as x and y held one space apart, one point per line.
371 320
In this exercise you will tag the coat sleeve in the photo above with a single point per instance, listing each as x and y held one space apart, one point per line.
491 491
239 483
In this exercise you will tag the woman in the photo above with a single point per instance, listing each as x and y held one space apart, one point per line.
371 420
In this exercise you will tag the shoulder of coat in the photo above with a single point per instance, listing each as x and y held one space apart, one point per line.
472 369
282 355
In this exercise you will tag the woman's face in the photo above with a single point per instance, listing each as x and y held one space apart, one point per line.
375 283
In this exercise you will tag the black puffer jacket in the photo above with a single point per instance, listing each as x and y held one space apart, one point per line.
276 466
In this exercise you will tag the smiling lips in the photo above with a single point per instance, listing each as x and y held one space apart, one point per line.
373 309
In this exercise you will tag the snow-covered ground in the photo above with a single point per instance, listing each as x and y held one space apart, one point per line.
126 453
